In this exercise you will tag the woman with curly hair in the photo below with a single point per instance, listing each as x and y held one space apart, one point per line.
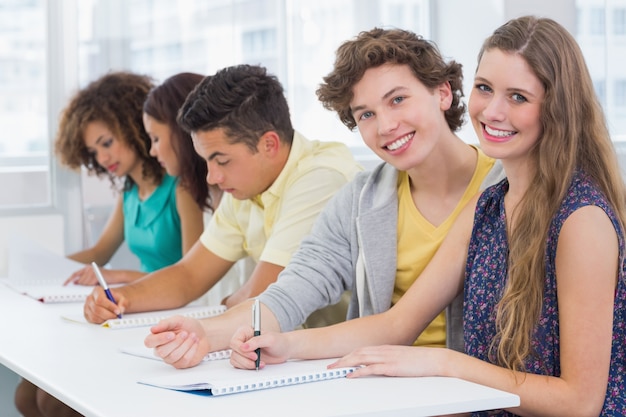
159 217
102 130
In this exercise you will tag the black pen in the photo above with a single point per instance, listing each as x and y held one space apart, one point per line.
256 325
104 285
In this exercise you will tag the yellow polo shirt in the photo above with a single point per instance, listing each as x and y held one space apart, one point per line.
270 226
418 240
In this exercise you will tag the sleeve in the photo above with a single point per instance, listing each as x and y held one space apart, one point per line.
222 235
322 268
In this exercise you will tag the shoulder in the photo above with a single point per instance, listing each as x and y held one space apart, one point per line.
130 195
184 199
315 155
489 204
583 191
494 192
167 184
373 188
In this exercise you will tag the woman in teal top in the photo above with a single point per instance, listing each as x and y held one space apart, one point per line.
152 226
102 129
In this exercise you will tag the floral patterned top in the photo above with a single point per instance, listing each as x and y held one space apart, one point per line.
486 275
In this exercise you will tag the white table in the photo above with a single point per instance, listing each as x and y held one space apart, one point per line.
81 365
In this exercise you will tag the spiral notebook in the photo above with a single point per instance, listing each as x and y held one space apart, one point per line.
214 378
56 293
152 317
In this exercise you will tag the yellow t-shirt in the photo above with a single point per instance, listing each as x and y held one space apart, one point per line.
418 240
270 226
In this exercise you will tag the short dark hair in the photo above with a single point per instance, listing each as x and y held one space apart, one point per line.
244 100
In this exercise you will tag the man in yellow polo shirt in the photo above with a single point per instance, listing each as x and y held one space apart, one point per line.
275 183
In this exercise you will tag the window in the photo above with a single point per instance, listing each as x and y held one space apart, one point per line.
605 53
49 48
596 24
620 93
24 145
619 21
291 38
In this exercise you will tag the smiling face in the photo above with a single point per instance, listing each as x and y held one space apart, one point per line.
110 152
161 144
398 117
505 105
234 168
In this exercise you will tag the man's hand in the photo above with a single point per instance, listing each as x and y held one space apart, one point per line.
179 341
98 308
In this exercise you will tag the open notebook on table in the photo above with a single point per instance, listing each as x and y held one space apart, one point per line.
214 378
152 317
39 273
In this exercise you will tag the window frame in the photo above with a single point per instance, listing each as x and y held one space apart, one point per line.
65 195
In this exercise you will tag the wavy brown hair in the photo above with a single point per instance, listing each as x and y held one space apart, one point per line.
162 104
574 137
115 99
377 47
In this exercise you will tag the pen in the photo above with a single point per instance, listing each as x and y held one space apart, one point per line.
256 324
104 285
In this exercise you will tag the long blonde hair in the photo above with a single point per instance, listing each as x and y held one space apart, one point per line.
574 137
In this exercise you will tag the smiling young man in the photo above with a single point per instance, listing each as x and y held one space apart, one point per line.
275 184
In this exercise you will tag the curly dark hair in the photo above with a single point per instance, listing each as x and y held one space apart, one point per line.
115 99
377 47
244 100
163 104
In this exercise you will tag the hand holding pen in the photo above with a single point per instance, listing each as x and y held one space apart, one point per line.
247 342
104 285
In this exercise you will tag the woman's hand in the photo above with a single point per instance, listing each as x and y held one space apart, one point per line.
392 360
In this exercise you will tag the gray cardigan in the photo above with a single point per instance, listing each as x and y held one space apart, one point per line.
352 246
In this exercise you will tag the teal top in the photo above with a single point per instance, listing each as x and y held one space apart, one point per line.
152 227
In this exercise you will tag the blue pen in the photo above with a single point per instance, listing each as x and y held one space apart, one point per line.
104 285
256 324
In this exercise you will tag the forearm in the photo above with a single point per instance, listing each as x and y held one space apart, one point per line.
85 256
167 288
540 395
342 338
120 276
